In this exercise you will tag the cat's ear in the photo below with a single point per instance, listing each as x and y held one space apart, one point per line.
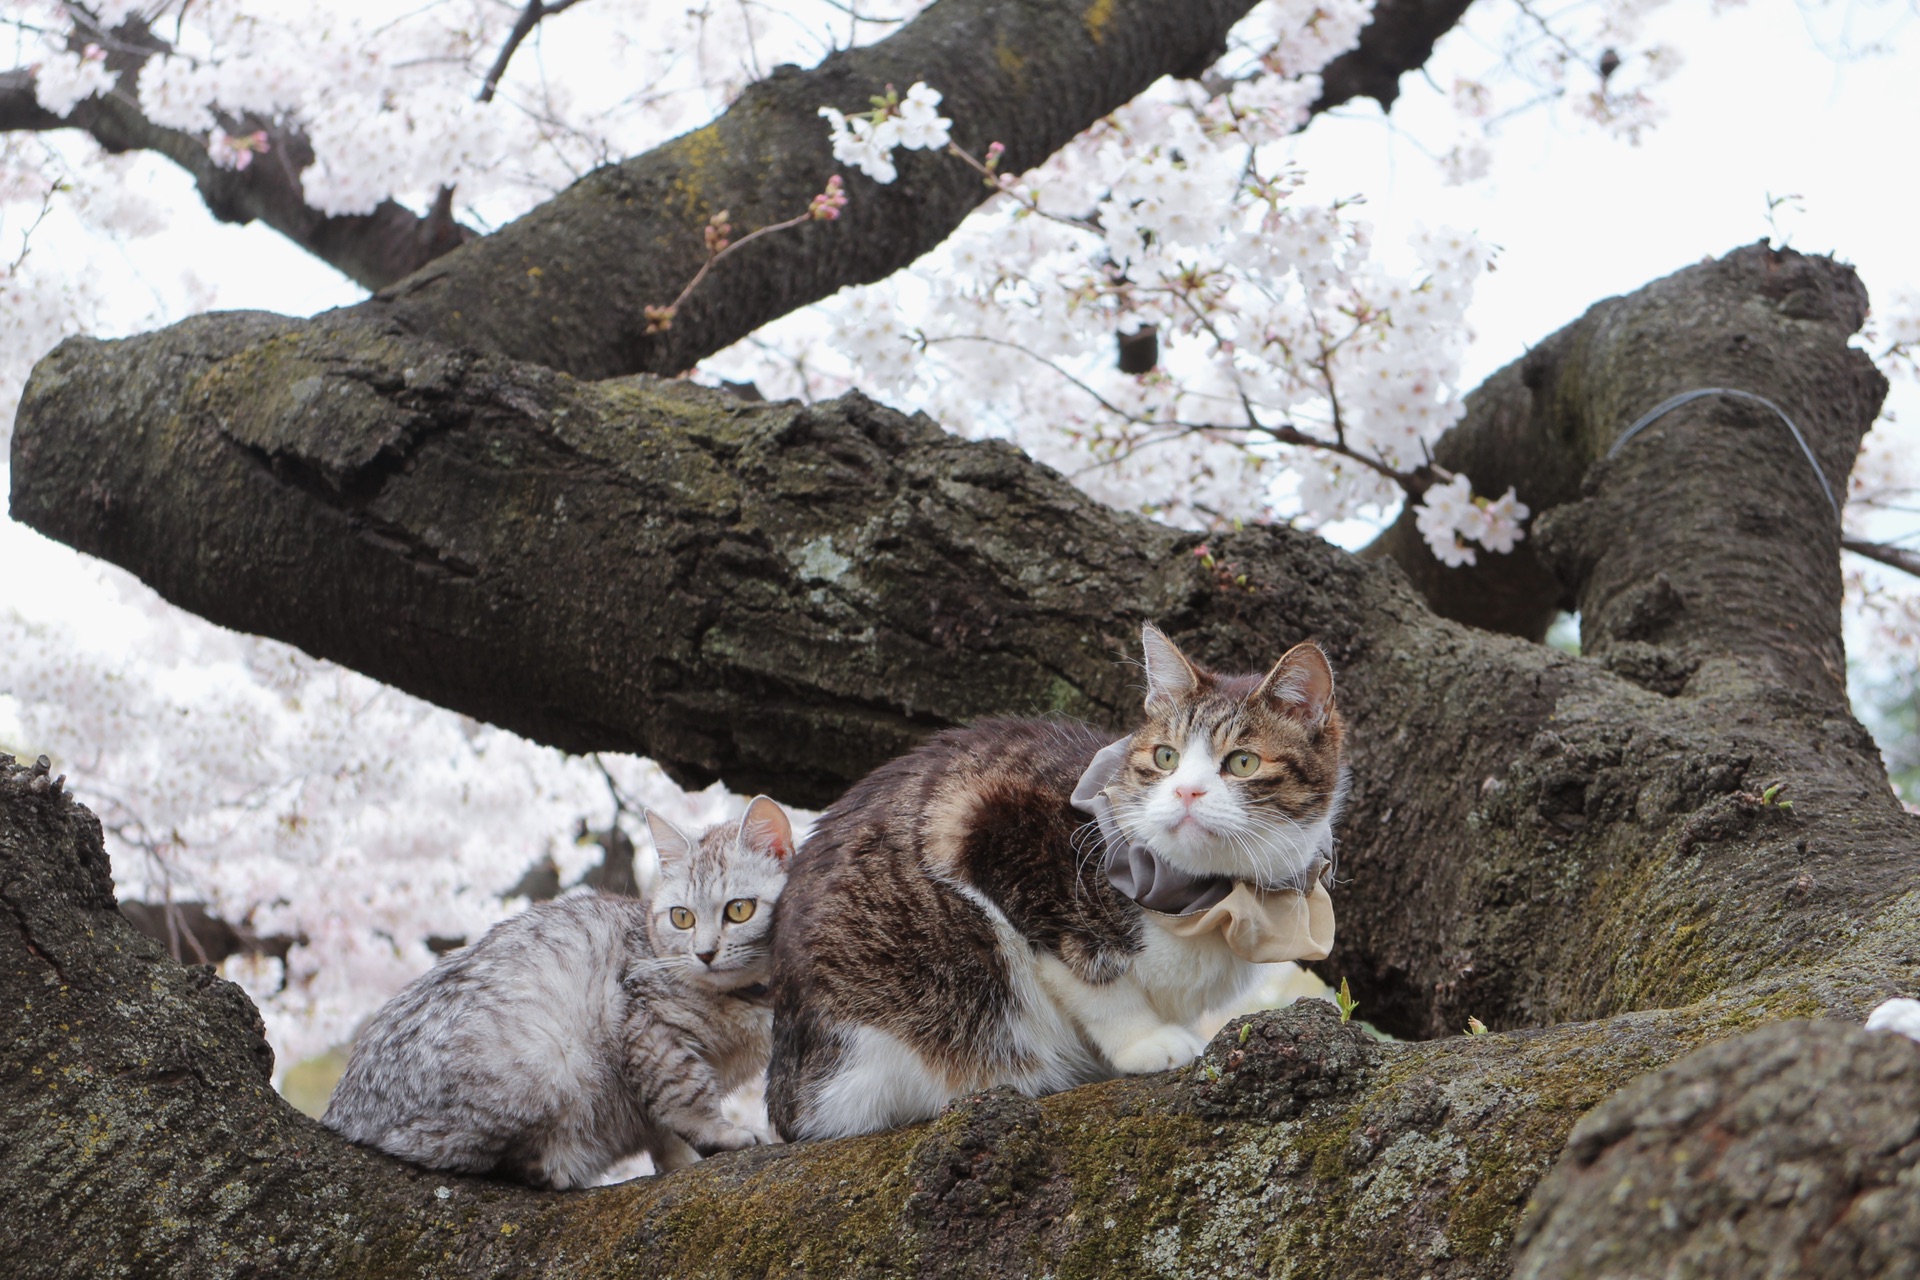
1170 674
669 840
1301 683
766 830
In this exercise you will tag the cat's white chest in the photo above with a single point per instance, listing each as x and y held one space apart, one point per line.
1143 1019
1184 977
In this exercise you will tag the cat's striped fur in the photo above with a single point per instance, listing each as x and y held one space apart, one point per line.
948 928
585 1029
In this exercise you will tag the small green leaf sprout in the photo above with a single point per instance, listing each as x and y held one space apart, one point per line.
1344 999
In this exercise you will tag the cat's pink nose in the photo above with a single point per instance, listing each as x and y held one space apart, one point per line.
1189 793
706 957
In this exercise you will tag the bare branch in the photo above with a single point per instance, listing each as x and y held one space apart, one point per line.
530 17
1902 558
1413 483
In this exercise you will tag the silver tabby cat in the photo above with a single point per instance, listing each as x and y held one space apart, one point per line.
586 1029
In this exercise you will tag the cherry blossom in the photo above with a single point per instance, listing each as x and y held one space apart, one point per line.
1448 519
867 142
63 79
236 152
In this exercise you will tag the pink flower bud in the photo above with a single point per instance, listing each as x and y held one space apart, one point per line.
826 206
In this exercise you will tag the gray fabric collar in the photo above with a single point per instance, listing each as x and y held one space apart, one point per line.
1132 868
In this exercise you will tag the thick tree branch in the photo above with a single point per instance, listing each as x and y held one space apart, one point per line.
1539 426
785 596
568 286
138 1134
1398 40
20 109
1790 1152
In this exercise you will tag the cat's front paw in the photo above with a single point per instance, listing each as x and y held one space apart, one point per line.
1161 1049
727 1137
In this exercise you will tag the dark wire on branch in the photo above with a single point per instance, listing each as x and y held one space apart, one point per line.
1688 397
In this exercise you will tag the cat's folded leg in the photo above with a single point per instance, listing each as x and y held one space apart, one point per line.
1120 1021
680 1089
673 1153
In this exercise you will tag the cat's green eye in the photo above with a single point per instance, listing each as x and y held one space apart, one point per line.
681 917
741 909
1241 764
1164 758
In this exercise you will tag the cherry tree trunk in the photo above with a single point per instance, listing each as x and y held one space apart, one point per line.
1580 852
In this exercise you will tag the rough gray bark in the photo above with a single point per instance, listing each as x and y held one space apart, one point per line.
783 596
1806 1135
141 1138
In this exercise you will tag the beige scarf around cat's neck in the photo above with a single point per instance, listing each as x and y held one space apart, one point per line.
1259 924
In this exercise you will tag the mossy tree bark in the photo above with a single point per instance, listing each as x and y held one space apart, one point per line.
782 596
1578 851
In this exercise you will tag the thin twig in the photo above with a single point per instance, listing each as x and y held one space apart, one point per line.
1004 184
26 237
672 308
621 804
1413 483
530 17
1566 47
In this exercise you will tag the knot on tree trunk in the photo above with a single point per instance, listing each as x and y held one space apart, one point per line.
1791 1151
985 1157
1270 1065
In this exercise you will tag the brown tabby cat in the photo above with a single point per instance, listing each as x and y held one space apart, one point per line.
956 922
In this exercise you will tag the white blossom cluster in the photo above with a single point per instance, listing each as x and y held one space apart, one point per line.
1271 313
867 142
1901 1016
388 98
298 798
1450 517
1595 59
